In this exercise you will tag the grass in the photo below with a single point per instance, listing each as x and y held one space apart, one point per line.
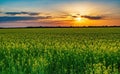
60 51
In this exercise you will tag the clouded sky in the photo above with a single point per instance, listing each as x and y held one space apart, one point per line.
21 13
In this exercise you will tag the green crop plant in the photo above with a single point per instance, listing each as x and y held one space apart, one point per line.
60 51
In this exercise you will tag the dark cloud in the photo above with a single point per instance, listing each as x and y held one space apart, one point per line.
92 17
74 16
34 13
11 19
0 11
15 13
12 13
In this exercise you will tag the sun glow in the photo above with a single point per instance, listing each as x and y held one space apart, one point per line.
78 19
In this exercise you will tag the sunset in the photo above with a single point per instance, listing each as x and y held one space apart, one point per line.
20 13
59 36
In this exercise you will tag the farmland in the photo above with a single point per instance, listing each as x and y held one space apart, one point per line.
60 51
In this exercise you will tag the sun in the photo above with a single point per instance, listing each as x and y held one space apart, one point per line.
78 19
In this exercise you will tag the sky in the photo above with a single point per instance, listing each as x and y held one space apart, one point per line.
24 13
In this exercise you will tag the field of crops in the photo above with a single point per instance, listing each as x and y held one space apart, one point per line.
60 51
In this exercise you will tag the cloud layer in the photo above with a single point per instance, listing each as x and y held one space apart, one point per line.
92 17
18 13
11 19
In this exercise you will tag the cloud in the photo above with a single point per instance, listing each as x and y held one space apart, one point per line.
92 17
12 19
34 13
12 13
74 16
0 11
16 13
